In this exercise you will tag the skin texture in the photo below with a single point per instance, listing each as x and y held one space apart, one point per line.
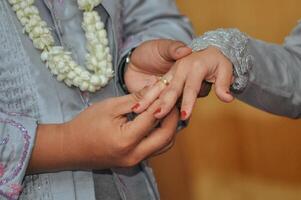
85 142
152 59
186 80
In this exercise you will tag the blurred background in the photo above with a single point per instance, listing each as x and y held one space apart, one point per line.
233 151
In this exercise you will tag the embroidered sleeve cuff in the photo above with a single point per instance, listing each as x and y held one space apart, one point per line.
233 44
17 134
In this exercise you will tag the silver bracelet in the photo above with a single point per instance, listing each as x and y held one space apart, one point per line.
233 44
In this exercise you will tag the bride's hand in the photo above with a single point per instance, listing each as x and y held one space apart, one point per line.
152 58
186 78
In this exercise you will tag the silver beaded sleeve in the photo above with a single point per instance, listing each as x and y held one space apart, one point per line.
233 44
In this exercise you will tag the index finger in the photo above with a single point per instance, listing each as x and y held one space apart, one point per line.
154 92
141 126
158 138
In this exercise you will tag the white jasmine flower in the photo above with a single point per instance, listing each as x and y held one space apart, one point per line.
59 61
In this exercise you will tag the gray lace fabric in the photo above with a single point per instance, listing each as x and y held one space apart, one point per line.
233 44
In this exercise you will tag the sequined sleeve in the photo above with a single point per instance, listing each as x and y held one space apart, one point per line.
268 75
233 44
17 133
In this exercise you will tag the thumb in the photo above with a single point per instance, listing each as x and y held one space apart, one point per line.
171 50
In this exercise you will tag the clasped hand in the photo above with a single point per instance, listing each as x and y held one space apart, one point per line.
187 74
102 136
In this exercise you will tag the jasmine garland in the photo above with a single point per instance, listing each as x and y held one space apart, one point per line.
98 70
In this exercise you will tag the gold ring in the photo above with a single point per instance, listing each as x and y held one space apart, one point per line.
164 81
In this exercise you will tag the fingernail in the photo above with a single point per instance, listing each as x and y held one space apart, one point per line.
135 106
228 92
157 111
180 49
183 114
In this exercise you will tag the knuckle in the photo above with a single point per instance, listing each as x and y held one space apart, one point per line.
130 161
137 96
169 146
200 66
168 139
182 69
107 103
197 63
191 89
219 89
181 62
169 99
172 93
123 147
110 106
165 104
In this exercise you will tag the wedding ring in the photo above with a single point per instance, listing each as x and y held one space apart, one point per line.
164 81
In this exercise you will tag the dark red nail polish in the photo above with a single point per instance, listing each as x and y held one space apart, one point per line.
183 114
135 106
157 111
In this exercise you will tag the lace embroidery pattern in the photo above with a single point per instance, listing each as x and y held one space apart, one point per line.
233 45
8 188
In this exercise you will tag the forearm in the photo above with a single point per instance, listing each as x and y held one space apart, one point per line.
55 150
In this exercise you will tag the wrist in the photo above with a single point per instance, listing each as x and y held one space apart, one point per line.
233 45
74 149
54 150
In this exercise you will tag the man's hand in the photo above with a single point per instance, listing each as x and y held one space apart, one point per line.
102 137
151 59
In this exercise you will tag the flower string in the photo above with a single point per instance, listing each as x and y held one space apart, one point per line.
99 68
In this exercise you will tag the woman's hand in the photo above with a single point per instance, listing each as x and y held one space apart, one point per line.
102 137
186 78
151 59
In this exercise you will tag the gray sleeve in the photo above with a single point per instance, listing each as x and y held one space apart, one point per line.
153 19
275 78
17 134
267 76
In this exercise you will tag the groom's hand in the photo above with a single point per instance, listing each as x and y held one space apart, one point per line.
152 59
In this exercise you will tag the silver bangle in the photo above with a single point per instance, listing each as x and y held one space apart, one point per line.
233 44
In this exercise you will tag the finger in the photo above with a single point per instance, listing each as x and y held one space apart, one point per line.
159 138
127 103
153 93
134 131
172 50
191 90
223 82
170 95
164 149
136 80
